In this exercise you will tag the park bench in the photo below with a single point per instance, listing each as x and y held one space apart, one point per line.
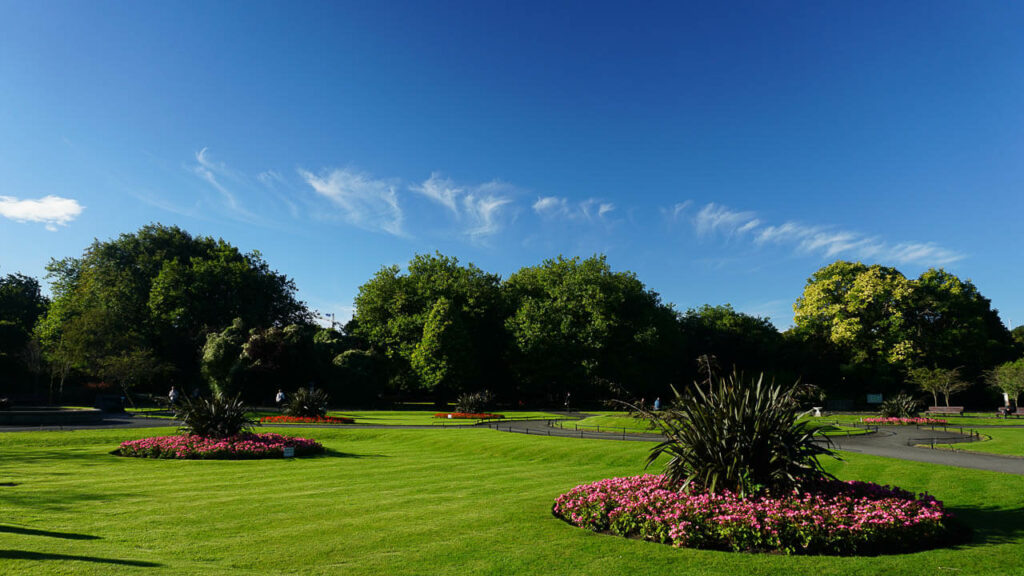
1007 412
948 410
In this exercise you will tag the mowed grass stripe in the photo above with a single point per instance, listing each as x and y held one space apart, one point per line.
406 502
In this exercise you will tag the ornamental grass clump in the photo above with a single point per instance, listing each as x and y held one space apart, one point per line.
901 405
738 436
306 403
219 416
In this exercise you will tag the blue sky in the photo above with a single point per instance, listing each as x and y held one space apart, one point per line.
722 151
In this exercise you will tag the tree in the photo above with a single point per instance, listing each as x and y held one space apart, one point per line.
954 325
736 340
438 355
1018 337
130 368
937 381
166 289
221 361
21 304
439 323
884 324
861 309
578 327
1009 379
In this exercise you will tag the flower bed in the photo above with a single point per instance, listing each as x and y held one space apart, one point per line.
243 446
468 415
307 420
842 518
902 421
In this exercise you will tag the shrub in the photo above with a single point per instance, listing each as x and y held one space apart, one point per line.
900 406
738 436
214 417
306 404
836 518
475 402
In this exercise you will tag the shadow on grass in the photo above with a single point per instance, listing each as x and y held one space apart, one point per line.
48 533
26 555
328 453
991 525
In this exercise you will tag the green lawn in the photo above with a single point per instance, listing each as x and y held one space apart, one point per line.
620 421
1005 441
613 421
464 501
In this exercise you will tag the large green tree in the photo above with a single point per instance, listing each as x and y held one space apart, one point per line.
579 327
439 324
159 290
747 343
21 305
884 324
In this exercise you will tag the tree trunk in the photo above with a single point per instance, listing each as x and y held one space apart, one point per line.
946 394
935 399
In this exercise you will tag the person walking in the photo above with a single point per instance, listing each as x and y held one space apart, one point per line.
279 399
173 396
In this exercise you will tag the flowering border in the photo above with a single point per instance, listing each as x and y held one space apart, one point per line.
894 421
469 415
307 420
839 518
242 446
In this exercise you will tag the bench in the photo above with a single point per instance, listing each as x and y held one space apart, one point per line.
949 410
1006 412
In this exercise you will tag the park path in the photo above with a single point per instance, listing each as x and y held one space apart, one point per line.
899 442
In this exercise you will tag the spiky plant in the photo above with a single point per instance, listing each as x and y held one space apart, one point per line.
306 403
900 406
474 402
740 436
217 417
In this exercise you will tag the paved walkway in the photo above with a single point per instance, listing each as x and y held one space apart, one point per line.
891 442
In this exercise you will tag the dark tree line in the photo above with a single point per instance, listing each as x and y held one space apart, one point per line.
161 307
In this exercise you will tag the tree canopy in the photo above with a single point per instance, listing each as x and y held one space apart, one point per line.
885 325
158 291
439 323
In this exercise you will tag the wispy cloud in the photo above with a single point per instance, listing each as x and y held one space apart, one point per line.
714 219
676 210
53 211
556 207
366 202
480 208
484 214
441 190
209 170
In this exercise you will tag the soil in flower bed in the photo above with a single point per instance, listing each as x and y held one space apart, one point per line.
468 415
893 421
243 446
307 420
838 518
